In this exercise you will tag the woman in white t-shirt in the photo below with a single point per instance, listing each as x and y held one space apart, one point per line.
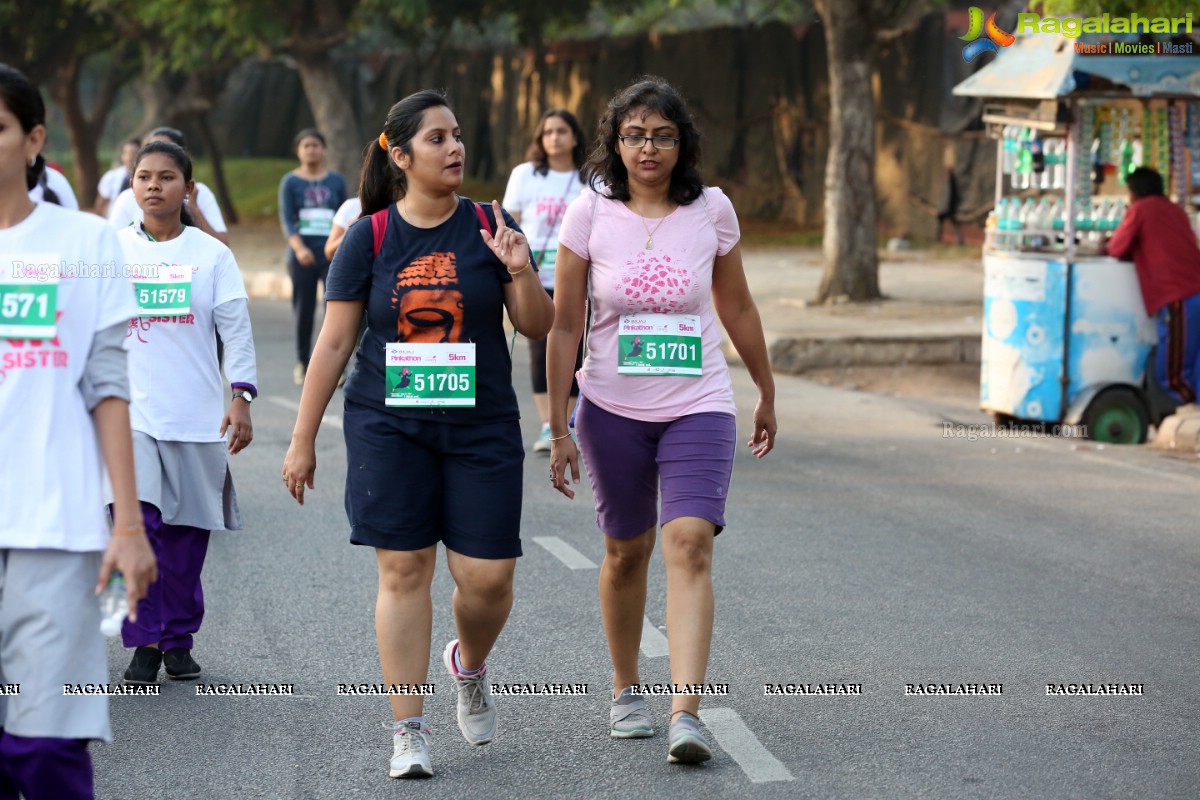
345 215
64 396
53 187
202 204
188 289
117 179
538 193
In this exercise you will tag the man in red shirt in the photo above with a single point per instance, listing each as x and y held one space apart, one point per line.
1158 236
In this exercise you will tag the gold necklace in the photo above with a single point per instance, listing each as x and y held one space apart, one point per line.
650 233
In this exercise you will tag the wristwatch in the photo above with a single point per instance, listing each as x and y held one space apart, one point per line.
242 393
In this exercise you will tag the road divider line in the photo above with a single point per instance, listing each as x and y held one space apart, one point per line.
654 644
328 419
564 552
743 747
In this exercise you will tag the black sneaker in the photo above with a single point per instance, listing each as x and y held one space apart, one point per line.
143 668
180 664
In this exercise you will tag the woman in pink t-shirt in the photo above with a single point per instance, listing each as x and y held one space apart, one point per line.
656 252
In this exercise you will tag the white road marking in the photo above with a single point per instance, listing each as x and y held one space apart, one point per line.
564 552
654 644
737 740
328 419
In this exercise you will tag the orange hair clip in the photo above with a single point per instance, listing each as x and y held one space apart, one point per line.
383 142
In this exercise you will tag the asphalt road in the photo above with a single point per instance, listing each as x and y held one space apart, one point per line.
869 548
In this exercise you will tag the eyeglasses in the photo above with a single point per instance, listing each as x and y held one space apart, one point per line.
659 142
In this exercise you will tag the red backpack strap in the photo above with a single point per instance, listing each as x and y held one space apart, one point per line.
483 219
379 221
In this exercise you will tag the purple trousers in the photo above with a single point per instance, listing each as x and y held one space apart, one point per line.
45 768
173 608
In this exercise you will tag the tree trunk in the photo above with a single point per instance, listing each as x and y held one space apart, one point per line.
851 256
80 131
218 166
334 115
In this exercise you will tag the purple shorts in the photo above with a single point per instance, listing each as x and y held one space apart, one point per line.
626 459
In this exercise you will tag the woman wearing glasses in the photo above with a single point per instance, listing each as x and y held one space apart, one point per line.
656 253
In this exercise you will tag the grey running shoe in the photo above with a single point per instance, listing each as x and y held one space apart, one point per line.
687 744
476 708
410 751
627 718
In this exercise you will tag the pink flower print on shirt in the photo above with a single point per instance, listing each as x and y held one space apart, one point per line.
653 284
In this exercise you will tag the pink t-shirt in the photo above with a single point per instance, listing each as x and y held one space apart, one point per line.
673 278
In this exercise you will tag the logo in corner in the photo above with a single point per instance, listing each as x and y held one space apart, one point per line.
996 37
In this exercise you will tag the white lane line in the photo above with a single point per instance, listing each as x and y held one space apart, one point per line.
564 552
737 740
328 419
654 644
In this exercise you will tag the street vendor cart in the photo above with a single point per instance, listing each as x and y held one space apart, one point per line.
1066 339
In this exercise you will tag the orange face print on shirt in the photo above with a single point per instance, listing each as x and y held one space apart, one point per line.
429 304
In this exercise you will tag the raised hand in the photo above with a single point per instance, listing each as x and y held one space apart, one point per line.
509 245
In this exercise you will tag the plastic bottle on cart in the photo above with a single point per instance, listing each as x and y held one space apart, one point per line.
1058 220
1028 221
1009 223
1000 236
1037 160
1116 214
1009 158
1052 178
1045 221
1082 220
1024 160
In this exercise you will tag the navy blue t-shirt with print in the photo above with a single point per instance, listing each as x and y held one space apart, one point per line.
438 284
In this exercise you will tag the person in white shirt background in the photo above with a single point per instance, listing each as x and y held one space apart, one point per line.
64 406
538 193
177 410
53 187
346 214
202 203
117 179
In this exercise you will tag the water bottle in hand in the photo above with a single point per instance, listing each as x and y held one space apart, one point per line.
114 605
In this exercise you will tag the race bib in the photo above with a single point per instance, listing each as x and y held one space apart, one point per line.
429 374
164 290
316 221
29 297
546 259
659 344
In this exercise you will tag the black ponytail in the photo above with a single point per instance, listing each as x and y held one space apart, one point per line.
382 182
36 176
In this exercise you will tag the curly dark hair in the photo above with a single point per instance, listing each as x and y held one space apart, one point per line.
647 94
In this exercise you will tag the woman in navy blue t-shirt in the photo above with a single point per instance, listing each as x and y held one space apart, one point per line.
308 197
431 421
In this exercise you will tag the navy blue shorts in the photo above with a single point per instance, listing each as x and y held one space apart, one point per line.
411 483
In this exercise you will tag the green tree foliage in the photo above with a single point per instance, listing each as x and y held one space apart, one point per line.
54 42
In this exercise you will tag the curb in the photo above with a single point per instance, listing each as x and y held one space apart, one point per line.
795 355
1180 433
267 285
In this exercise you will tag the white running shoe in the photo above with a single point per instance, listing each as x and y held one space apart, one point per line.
410 752
476 708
